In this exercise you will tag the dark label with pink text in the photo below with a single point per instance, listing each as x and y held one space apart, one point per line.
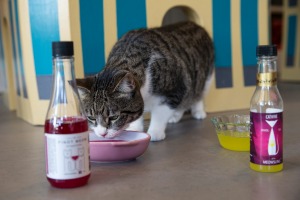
266 138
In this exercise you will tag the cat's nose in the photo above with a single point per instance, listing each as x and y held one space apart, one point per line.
100 131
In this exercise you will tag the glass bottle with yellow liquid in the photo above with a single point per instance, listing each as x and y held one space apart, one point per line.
266 115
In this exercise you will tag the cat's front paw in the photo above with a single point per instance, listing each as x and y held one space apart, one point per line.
156 135
199 114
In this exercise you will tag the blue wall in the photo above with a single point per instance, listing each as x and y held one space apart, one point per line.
44 30
249 30
3 80
131 14
292 38
92 36
14 47
19 50
222 41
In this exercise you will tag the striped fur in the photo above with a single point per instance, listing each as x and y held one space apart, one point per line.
160 69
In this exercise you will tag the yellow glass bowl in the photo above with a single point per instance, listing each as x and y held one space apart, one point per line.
233 131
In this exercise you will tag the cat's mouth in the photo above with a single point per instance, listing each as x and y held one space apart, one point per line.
112 133
107 133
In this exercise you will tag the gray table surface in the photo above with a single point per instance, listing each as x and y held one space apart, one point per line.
189 164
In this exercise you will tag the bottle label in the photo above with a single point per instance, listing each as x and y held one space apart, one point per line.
266 138
266 79
67 155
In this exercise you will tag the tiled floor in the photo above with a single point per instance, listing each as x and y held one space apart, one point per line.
189 164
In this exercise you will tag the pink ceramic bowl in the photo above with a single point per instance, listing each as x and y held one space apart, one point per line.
126 146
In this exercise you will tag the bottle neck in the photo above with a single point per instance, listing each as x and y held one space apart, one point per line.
63 69
267 64
65 99
267 71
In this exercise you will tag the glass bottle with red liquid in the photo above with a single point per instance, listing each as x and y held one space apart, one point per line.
66 127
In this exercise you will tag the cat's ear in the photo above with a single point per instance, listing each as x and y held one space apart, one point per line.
126 84
84 86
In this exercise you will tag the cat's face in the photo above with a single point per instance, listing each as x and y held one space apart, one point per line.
111 101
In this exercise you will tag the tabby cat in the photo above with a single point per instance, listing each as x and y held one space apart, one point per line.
164 70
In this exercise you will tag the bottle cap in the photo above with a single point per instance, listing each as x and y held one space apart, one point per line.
64 48
266 50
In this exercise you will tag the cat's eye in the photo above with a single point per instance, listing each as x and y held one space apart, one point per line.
92 119
113 117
